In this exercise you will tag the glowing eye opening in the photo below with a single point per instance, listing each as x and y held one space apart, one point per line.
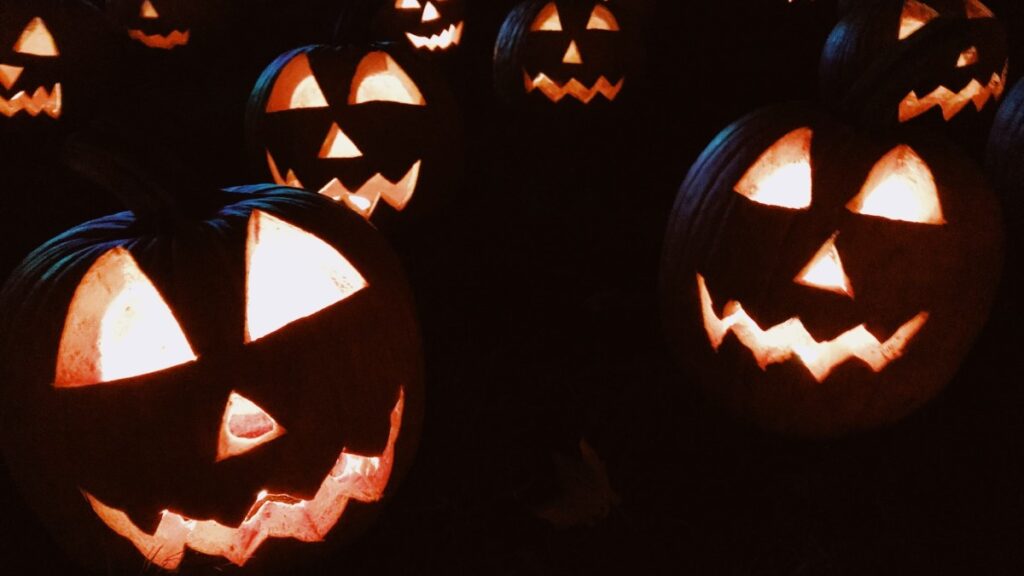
915 15
36 40
782 176
290 275
296 88
547 20
602 19
148 11
408 4
118 326
975 9
968 57
380 79
900 187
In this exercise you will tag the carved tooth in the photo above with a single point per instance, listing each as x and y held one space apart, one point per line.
41 101
445 39
364 201
573 87
952 103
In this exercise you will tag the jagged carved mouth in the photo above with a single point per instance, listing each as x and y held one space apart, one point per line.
353 477
791 340
556 92
42 101
168 41
365 199
952 103
441 41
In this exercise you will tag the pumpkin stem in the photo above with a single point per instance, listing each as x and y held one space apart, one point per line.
108 161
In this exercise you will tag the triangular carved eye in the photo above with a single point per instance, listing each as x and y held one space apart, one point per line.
118 326
148 11
36 40
296 87
782 177
915 15
408 4
900 187
380 79
291 274
602 19
547 20
975 9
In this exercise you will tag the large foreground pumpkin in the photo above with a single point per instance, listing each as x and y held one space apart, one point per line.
823 283
223 387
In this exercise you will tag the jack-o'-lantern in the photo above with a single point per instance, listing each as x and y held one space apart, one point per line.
431 27
823 283
235 383
563 51
164 24
893 63
366 127
52 58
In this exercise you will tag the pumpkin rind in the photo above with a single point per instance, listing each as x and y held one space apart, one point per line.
754 255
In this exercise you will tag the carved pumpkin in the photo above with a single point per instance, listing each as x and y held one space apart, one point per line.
189 389
165 24
823 283
53 59
893 63
366 127
431 27
564 51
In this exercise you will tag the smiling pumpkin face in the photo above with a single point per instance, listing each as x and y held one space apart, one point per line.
366 128
903 62
165 24
823 283
54 57
280 412
562 52
429 25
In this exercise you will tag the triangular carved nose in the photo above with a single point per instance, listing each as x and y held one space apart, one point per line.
9 75
245 427
339 145
148 11
825 271
430 13
572 55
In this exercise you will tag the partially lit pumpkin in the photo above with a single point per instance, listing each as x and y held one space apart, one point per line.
370 128
894 63
232 384
430 27
568 52
54 60
166 24
822 283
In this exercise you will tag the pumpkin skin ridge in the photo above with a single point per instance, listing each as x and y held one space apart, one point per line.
88 242
783 398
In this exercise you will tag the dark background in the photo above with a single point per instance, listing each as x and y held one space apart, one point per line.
537 294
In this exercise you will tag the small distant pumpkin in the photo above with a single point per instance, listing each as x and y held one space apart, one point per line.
368 127
564 52
186 385
823 283
898 63
166 25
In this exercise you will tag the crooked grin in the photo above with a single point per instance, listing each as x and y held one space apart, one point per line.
42 101
353 477
365 199
952 103
790 339
168 41
441 41
556 92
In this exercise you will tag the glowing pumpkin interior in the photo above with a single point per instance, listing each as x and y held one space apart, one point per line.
900 187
